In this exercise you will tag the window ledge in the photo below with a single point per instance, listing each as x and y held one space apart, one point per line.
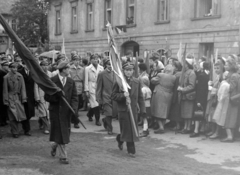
131 25
57 34
89 30
73 32
207 17
162 22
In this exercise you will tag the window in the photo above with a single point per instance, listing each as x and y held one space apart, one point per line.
58 22
74 19
90 17
163 10
206 8
130 12
14 25
108 12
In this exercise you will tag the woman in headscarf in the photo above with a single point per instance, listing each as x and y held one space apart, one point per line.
187 90
162 96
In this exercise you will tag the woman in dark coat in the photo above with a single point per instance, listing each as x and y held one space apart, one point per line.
133 96
174 113
201 95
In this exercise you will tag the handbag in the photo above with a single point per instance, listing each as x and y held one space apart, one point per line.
199 113
191 95
235 99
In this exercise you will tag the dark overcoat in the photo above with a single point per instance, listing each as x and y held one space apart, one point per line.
60 114
3 113
29 84
104 89
136 96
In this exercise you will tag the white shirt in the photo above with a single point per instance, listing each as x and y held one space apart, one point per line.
62 79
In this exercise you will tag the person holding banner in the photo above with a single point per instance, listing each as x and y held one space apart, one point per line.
60 114
133 96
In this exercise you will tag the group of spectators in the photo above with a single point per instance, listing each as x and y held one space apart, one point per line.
198 96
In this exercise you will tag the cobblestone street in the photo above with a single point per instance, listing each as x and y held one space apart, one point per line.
92 152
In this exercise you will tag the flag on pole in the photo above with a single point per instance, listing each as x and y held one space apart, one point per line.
40 77
116 64
63 47
179 53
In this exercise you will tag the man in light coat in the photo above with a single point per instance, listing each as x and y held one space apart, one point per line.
91 74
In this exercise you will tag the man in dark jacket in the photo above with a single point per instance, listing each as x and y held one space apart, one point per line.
105 82
30 105
133 96
60 114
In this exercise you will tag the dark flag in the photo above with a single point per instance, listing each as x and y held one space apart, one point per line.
40 77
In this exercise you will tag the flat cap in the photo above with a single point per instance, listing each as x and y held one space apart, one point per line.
63 64
128 65
5 63
13 64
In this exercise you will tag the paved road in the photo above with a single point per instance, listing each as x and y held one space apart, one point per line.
92 152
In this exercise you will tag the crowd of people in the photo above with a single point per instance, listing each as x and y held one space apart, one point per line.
196 96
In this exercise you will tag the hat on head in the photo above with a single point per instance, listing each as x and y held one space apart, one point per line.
63 64
44 63
5 63
106 61
128 65
75 57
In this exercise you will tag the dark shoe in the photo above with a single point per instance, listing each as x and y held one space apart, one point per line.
194 135
76 126
27 134
89 117
159 131
209 134
98 123
227 140
53 151
15 135
120 145
144 134
64 161
156 127
104 123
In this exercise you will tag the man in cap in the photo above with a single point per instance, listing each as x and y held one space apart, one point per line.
91 74
133 97
30 105
3 114
14 95
60 114
77 74
105 82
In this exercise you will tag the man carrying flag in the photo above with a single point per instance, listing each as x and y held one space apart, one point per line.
127 93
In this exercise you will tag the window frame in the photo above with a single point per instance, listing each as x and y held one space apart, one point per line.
87 17
14 24
58 31
159 20
128 5
106 11
217 15
74 27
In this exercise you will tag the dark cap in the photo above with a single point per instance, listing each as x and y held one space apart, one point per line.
106 61
128 65
5 63
63 64
13 64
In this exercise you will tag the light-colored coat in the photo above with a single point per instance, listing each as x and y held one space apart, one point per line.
162 95
90 83
14 95
77 73
42 107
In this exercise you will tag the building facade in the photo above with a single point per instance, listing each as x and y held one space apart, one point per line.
5 9
153 25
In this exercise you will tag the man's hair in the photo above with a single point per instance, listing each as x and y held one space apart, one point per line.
142 66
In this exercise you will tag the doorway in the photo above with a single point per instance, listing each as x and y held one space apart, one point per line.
206 49
130 48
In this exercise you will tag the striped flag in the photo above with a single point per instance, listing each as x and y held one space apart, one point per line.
63 47
179 53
